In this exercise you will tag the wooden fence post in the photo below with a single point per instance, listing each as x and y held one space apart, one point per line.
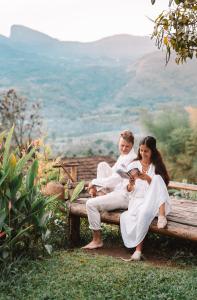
74 230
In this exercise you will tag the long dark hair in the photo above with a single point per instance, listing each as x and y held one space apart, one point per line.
156 158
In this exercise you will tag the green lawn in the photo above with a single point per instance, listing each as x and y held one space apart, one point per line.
77 275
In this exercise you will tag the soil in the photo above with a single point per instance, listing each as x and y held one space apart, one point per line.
158 252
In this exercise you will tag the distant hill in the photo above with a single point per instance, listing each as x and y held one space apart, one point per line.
87 88
152 82
116 47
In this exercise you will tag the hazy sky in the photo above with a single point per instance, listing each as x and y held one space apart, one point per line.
82 20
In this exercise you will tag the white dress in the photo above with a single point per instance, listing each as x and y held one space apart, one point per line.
107 178
143 206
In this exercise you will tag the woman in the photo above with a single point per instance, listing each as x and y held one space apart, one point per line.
108 180
148 196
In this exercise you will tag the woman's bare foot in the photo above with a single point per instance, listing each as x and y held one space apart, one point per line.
162 222
93 245
136 256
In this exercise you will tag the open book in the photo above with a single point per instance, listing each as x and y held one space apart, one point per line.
127 174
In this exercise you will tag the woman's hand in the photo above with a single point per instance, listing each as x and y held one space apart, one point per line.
131 185
144 176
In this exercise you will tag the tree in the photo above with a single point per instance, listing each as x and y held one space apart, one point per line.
177 141
14 110
176 29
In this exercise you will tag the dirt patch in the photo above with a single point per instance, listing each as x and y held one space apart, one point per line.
158 251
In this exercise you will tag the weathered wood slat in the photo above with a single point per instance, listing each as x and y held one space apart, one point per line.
182 186
179 225
190 219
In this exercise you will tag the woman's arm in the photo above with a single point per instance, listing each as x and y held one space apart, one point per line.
144 176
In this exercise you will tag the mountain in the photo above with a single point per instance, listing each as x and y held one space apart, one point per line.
89 88
150 80
115 47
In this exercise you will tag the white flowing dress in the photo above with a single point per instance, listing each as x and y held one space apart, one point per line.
144 204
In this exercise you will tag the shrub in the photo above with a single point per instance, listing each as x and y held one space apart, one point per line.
24 213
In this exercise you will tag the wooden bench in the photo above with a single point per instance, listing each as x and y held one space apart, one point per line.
182 221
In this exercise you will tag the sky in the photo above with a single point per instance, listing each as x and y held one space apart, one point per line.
81 20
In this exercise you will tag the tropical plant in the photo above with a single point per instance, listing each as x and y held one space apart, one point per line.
78 189
24 213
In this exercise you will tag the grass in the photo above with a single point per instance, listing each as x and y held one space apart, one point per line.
77 275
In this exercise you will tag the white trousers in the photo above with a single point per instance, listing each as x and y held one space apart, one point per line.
114 200
135 222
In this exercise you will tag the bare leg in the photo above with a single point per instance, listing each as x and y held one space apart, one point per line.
162 210
162 221
96 241
139 247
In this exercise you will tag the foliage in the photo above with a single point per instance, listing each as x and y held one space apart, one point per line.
24 216
78 189
176 29
14 110
178 142
78 275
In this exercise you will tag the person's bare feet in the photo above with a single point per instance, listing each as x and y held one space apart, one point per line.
93 245
136 256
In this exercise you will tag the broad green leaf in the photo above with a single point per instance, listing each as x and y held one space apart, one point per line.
32 175
3 216
4 176
78 189
2 135
46 235
15 185
20 164
20 233
48 248
7 148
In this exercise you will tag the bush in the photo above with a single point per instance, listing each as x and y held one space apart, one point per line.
24 213
177 141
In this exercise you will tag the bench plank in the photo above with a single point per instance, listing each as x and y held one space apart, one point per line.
181 223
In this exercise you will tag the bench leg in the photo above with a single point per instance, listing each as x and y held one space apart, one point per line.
74 230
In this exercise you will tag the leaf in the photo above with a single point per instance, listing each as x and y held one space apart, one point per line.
15 185
20 233
20 164
7 148
44 219
3 216
2 135
46 235
48 248
4 176
78 189
5 254
32 175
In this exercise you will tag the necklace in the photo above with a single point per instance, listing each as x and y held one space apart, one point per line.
145 167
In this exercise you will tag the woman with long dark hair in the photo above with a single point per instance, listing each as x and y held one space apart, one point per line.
148 196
